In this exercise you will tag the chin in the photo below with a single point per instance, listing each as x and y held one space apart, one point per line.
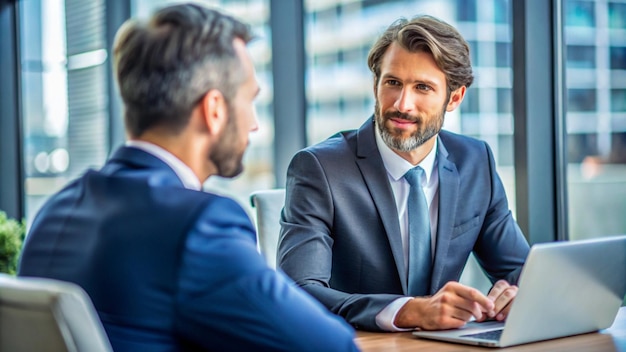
231 171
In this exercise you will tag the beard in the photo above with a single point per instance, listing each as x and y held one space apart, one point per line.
227 156
428 126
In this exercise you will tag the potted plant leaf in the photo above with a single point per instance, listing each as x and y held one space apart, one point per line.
12 233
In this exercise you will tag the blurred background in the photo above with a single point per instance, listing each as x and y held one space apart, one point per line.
70 116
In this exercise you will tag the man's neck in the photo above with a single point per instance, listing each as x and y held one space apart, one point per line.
185 148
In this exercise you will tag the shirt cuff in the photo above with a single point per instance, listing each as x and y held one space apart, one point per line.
386 317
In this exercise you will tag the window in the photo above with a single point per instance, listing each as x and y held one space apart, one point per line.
466 10
503 54
504 100
618 100
617 15
581 100
581 56
595 120
618 57
64 93
580 13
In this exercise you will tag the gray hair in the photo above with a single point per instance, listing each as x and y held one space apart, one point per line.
164 66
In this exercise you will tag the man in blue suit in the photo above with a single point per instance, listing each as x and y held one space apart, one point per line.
346 233
169 267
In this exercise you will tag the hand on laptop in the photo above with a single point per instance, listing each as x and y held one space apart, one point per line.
502 294
451 307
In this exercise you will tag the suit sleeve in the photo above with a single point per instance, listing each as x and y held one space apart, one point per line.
229 299
501 248
305 250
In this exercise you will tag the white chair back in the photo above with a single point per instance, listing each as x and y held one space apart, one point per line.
48 315
268 204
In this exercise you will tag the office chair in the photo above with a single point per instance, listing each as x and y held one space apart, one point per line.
269 204
48 315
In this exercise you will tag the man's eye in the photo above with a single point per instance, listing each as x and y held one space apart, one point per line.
423 87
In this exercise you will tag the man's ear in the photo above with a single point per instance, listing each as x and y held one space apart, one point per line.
214 111
456 97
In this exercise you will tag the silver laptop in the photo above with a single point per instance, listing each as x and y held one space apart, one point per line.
565 288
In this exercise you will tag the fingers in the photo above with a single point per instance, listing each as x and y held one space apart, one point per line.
502 295
454 305
481 304
470 302
497 289
466 310
441 312
428 313
504 312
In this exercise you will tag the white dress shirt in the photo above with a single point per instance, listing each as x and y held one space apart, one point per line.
396 167
184 172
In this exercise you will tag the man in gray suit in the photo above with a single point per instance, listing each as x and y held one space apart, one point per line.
347 233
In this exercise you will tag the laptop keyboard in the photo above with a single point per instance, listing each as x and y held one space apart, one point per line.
493 335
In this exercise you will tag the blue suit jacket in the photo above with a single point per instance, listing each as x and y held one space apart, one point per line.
340 237
171 269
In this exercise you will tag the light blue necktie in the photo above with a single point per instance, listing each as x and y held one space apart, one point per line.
420 261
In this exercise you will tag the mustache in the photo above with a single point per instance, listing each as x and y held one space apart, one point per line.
401 115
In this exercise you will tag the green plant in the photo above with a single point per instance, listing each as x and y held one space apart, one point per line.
12 234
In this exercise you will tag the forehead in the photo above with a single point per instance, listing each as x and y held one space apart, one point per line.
244 55
247 64
411 66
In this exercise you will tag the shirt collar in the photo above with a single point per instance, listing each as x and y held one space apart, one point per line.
184 173
397 166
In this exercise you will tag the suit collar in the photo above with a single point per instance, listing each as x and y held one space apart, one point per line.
366 144
184 172
374 174
137 158
131 158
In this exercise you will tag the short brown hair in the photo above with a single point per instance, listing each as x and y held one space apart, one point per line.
166 65
427 34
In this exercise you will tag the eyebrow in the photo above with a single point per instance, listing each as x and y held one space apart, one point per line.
422 81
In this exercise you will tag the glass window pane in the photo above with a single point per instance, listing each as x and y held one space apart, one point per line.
502 11
617 15
581 100
581 56
618 57
503 54
596 119
467 10
340 94
580 13
64 102
618 100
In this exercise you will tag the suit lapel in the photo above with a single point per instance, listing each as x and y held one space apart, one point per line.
448 194
373 171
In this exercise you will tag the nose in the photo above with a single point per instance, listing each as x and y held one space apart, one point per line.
404 102
254 126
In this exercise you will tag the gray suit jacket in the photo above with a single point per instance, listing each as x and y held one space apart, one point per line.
340 236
